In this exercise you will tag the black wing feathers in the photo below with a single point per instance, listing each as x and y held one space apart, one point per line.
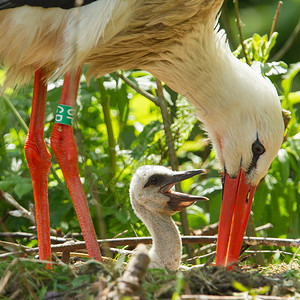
65 4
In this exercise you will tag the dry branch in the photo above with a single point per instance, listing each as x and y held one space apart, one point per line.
131 280
221 297
238 22
275 18
138 89
129 285
23 235
148 240
20 209
288 44
172 156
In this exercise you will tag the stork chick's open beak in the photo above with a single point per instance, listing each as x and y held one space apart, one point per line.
235 211
179 201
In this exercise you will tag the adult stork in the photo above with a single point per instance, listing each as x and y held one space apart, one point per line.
154 203
177 41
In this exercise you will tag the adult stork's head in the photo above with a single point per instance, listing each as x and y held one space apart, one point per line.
246 131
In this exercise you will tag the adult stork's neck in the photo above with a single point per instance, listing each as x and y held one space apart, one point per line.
202 68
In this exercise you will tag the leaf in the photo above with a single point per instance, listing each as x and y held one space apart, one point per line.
270 69
22 189
238 286
271 181
274 68
178 286
15 213
261 201
122 216
289 77
284 166
256 46
270 44
127 136
145 139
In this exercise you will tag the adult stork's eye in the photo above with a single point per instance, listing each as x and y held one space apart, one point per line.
153 180
257 148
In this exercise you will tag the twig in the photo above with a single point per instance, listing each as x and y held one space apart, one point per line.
202 256
24 235
237 19
218 297
16 235
129 285
172 156
12 246
250 231
105 102
138 89
210 229
213 229
23 211
264 227
226 24
131 281
15 113
148 240
105 99
271 251
275 18
167 126
287 44
260 241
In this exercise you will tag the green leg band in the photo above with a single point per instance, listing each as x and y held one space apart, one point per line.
65 114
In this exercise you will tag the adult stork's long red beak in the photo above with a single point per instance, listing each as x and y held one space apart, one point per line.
236 207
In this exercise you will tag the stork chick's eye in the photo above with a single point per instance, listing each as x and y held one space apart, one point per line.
153 180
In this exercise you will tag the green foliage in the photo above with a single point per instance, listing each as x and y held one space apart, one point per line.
258 47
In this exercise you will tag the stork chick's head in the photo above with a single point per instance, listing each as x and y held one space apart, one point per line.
150 190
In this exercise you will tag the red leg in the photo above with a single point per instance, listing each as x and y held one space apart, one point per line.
39 163
65 151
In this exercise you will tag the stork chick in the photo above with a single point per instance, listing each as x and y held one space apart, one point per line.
154 203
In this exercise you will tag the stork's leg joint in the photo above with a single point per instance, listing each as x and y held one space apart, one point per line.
39 163
37 155
64 147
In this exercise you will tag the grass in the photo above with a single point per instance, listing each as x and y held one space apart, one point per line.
27 278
